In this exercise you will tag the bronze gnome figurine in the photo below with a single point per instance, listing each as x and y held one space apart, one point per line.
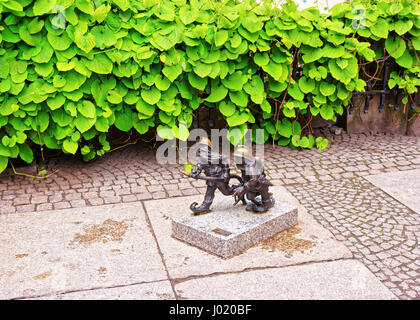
217 175
254 182
252 189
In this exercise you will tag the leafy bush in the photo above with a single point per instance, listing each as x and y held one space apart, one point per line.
72 69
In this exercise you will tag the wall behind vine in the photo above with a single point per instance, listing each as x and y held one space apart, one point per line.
72 69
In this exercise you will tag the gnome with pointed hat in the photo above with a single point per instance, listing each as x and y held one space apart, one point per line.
217 175
255 184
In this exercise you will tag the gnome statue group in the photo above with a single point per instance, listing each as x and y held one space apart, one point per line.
252 188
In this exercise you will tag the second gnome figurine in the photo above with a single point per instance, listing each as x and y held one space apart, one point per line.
252 189
254 182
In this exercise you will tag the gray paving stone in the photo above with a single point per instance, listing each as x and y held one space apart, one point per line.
75 249
402 185
160 290
345 279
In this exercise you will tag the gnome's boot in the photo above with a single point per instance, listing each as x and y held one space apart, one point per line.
266 204
254 200
201 209
205 206
243 200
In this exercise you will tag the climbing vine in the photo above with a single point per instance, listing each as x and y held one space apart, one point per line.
70 70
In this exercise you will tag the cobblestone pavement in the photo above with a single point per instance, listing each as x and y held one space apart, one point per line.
380 231
326 177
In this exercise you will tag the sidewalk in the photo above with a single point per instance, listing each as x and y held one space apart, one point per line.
99 230
127 252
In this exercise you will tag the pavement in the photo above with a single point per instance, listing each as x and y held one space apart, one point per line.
102 230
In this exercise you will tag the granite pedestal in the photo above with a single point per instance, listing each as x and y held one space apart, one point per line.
231 231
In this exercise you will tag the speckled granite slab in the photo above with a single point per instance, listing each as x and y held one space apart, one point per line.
229 232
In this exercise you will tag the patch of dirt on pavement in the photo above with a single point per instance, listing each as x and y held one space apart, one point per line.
287 242
163 296
43 275
102 270
28 291
20 256
109 230
70 266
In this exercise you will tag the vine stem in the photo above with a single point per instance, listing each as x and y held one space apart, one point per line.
39 137
409 40
385 58
125 145
276 116
411 98
414 117
380 70
309 121
368 75
31 176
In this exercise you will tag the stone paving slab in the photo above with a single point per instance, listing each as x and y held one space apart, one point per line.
344 279
402 185
160 290
75 249
309 241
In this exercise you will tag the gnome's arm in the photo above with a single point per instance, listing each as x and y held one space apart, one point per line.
197 170
247 186
251 183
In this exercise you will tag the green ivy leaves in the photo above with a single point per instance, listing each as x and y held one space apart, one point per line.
202 69
3 163
87 109
227 108
327 112
70 146
380 28
306 85
197 82
188 14
221 37
403 26
274 69
218 93
321 143
151 95
326 88
138 66
100 64
42 7
85 42
406 60
252 23
395 46
345 75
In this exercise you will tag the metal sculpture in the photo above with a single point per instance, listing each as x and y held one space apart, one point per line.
254 182
253 185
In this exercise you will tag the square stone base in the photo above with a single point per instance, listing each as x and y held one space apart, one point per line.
233 230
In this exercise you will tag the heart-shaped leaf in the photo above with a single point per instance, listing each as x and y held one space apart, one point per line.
151 95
